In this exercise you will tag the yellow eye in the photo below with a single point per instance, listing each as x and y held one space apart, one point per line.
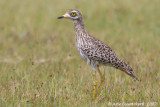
73 14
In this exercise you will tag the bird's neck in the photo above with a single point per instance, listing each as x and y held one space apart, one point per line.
80 33
79 26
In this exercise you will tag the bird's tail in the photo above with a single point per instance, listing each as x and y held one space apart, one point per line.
127 69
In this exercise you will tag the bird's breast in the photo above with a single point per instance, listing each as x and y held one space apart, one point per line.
79 41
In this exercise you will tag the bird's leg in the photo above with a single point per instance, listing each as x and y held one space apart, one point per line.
102 81
95 84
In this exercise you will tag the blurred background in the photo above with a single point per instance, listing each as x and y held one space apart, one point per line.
39 64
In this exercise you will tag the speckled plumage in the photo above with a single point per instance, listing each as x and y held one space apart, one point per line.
93 51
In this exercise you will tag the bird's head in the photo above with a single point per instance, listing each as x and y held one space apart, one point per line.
71 14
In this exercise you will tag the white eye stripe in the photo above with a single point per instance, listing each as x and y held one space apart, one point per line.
74 11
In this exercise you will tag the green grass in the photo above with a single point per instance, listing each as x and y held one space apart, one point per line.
39 64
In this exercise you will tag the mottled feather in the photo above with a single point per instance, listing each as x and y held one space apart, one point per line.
92 50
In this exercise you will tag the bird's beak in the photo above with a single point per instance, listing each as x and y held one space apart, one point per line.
63 16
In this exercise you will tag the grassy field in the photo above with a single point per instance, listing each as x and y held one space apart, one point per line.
40 66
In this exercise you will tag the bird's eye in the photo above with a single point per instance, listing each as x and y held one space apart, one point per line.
73 14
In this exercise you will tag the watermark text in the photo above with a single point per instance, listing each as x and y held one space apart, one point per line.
148 104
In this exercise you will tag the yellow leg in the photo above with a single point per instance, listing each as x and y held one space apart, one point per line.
95 85
102 81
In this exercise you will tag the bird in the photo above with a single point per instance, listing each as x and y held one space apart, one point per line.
94 52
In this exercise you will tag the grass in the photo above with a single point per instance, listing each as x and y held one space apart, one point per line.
39 64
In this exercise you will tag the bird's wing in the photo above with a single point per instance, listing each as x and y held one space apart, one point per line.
105 55
101 53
